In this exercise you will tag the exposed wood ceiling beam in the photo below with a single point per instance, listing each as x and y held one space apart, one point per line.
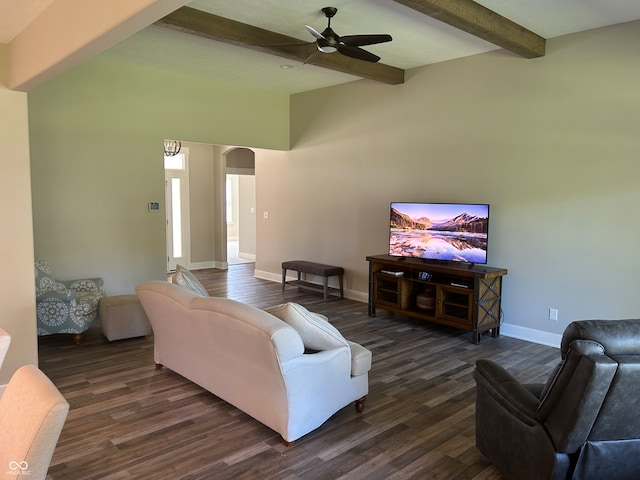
478 20
214 27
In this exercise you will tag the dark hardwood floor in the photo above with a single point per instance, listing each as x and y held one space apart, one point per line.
129 420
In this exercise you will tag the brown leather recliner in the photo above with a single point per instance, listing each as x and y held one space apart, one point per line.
583 424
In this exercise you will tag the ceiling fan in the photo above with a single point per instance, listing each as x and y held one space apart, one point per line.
329 41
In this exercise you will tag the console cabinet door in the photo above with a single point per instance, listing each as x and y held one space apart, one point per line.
387 290
455 305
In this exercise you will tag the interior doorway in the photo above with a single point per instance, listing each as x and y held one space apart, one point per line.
240 197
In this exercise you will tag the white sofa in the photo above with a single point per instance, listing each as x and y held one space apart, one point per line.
255 360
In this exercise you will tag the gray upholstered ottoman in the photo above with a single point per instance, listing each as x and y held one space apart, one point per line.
122 316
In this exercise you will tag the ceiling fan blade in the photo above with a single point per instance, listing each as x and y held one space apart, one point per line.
311 57
295 44
360 40
356 52
314 32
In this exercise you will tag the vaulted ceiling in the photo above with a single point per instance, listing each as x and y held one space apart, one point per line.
467 16
239 41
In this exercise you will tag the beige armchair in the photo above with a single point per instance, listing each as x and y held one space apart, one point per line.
32 414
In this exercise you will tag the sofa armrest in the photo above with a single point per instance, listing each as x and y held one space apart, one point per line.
513 396
313 376
360 359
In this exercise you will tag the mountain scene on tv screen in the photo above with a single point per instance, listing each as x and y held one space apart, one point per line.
432 235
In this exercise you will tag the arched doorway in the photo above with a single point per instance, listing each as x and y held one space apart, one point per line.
240 208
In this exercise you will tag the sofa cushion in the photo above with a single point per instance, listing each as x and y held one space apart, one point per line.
314 329
185 278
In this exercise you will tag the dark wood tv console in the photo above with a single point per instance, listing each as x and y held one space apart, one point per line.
459 295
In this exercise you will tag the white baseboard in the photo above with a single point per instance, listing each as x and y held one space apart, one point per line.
357 296
531 335
267 276
202 265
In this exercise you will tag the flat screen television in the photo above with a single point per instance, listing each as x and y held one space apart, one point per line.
455 232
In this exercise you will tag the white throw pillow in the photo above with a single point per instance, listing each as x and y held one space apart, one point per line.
314 329
187 279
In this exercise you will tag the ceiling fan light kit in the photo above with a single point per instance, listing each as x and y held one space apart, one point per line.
327 48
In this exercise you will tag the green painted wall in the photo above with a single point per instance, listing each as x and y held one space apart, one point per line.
96 136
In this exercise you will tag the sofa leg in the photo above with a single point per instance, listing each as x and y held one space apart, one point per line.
360 404
158 366
287 443
77 338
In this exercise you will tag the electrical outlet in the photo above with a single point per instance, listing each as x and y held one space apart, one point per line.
553 314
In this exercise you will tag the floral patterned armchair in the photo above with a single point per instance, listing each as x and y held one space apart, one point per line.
65 306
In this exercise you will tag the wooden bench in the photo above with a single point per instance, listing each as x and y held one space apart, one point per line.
325 271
